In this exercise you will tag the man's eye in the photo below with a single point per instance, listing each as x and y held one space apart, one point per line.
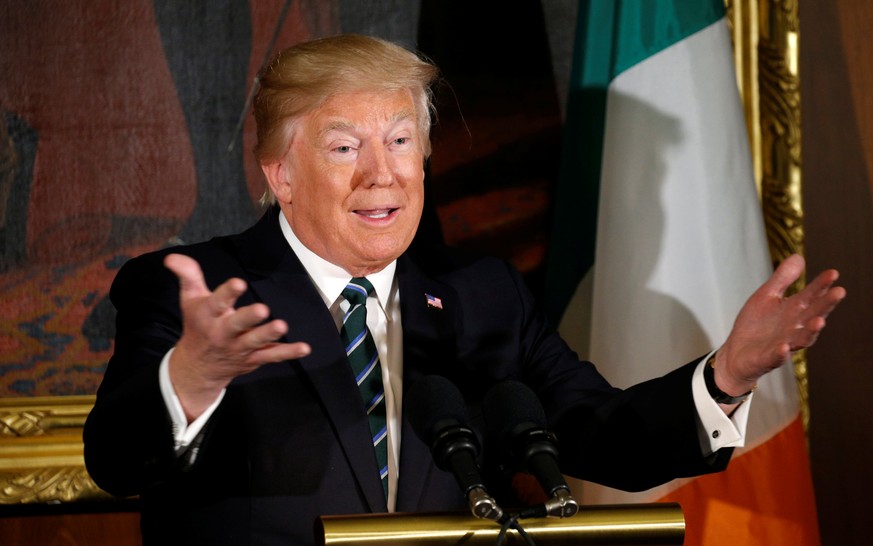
344 149
401 140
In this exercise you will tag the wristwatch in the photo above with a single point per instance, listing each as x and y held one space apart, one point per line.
717 394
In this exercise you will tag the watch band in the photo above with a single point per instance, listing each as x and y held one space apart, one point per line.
717 394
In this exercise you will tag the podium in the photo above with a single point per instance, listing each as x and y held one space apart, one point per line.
615 525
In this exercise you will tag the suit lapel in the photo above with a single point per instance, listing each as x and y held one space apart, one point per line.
280 280
429 347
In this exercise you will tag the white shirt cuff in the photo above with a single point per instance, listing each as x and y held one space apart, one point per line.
183 432
715 429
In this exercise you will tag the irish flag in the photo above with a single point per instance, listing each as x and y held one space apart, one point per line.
659 239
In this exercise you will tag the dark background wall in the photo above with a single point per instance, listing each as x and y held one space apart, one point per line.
836 56
491 179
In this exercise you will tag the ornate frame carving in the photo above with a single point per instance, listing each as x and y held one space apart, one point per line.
41 458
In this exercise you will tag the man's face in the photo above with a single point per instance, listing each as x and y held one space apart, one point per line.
352 181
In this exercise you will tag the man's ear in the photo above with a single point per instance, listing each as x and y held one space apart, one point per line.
278 179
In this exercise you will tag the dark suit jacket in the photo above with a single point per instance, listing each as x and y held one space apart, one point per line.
286 446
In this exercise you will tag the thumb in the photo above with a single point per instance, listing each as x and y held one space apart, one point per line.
191 281
785 275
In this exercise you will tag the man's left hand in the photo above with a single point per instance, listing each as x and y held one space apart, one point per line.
771 326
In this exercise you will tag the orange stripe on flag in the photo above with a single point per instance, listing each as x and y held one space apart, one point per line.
765 497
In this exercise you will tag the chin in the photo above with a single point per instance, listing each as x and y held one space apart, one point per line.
376 261
385 247
382 259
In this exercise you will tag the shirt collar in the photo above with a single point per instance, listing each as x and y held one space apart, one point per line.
330 279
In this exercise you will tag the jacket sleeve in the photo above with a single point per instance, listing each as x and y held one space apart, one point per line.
128 436
631 439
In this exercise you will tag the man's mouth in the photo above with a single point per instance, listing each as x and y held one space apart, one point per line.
376 214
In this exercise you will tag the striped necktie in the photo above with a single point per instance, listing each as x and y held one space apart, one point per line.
364 359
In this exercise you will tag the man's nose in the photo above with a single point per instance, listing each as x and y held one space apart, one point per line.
376 167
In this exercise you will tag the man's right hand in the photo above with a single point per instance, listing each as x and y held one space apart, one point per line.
219 342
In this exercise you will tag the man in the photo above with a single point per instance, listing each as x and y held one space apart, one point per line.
230 405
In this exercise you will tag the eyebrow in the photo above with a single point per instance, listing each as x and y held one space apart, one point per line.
337 126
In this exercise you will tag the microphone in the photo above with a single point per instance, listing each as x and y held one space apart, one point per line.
438 414
514 412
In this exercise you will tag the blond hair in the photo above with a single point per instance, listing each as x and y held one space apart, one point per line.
300 78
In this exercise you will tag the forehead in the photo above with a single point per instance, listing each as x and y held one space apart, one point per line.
362 110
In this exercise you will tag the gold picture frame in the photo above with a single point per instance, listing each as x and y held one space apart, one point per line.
41 451
766 37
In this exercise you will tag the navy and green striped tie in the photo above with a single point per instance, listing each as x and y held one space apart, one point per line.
364 358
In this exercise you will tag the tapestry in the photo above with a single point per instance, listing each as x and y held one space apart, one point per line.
125 129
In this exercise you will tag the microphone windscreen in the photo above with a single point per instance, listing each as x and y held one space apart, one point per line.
432 403
509 404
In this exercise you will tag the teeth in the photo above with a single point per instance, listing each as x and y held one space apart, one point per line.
377 215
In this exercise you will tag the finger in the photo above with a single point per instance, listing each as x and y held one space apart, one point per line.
247 318
822 304
262 344
226 294
820 284
827 303
278 352
187 270
785 275
781 353
806 335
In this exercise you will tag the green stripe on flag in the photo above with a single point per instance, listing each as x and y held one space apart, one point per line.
648 26
611 36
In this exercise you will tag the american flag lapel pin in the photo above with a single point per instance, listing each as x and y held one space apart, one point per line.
433 301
